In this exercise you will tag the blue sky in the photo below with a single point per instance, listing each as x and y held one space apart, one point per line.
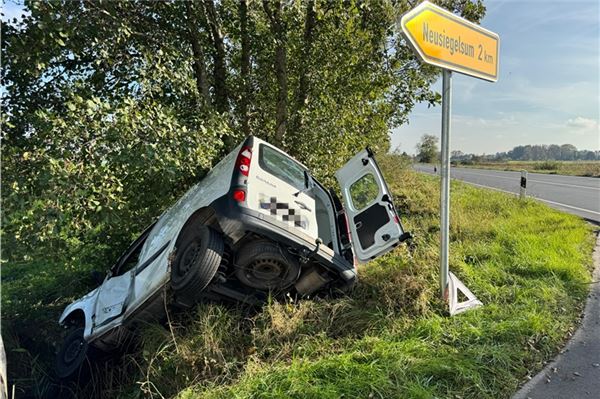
11 9
548 90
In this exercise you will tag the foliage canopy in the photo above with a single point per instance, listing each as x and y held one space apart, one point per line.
427 149
112 109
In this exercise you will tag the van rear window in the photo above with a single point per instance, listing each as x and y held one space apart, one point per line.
281 166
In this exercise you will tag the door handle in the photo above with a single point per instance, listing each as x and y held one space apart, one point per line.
302 205
358 225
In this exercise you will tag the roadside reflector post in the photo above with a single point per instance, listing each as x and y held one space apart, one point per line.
523 191
452 43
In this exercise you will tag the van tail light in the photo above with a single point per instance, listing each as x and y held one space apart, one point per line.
242 162
242 165
239 195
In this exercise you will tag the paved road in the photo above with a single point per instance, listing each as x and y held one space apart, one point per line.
577 195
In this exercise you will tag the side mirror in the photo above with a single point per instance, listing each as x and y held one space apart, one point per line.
97 277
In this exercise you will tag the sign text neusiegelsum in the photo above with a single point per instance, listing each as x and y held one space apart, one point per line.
450 43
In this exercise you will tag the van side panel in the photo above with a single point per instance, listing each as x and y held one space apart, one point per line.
213 186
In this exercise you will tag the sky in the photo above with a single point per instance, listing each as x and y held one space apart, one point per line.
11 9
548 88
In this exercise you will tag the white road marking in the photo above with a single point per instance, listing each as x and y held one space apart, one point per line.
488 187
567 206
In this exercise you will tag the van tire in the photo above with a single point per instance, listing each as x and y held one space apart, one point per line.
196 262
74 356
265 258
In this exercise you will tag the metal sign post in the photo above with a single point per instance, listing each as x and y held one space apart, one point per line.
452 43
445 182
450 285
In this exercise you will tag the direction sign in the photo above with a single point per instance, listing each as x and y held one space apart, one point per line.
448 41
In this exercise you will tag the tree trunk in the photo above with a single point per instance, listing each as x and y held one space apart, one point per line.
220 71
303 89
278 30
198 64
245 67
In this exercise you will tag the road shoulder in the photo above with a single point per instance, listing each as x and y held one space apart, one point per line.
575 372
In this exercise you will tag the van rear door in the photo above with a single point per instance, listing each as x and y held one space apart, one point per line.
373 221
278 189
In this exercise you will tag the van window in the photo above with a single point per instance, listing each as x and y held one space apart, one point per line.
130 258
364 191
281 166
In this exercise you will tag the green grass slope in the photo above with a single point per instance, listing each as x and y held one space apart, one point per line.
389 338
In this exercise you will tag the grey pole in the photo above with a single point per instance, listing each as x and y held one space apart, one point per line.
445 181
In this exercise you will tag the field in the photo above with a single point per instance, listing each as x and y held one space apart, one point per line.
570 168
389 338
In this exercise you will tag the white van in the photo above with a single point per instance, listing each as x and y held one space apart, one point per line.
257 224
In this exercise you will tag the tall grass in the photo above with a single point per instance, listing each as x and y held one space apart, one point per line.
391 336
569 168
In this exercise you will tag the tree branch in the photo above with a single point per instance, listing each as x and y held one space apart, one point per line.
220 71
303 88
198 63
245 67
278 31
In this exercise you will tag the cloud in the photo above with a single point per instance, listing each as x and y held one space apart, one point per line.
583 123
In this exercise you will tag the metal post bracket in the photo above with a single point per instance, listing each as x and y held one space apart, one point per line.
454 286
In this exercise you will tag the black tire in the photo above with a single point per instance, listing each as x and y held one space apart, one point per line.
198 258
264 266
74 356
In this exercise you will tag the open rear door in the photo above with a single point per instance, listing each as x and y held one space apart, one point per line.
374 224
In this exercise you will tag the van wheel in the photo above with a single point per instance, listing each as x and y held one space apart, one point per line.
74 355
196 263
264 266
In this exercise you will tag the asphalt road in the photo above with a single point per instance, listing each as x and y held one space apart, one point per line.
577 195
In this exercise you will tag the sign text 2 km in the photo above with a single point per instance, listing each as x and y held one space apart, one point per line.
448 41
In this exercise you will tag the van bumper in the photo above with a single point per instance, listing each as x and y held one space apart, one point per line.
236 220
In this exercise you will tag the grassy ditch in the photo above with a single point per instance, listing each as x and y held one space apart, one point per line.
570 168
390 337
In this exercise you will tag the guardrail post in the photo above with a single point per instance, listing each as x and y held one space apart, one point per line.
523 191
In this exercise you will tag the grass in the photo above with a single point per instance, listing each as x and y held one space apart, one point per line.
570 168
390 337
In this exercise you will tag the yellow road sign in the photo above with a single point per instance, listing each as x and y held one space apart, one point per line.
448 41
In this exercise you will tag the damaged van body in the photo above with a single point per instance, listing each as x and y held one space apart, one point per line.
257 224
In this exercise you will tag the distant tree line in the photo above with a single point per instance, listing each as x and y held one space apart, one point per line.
537 152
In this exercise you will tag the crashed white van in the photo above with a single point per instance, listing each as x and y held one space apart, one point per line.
257 224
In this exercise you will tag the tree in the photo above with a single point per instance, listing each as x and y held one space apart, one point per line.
456 155
427 149
568 152
112 109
